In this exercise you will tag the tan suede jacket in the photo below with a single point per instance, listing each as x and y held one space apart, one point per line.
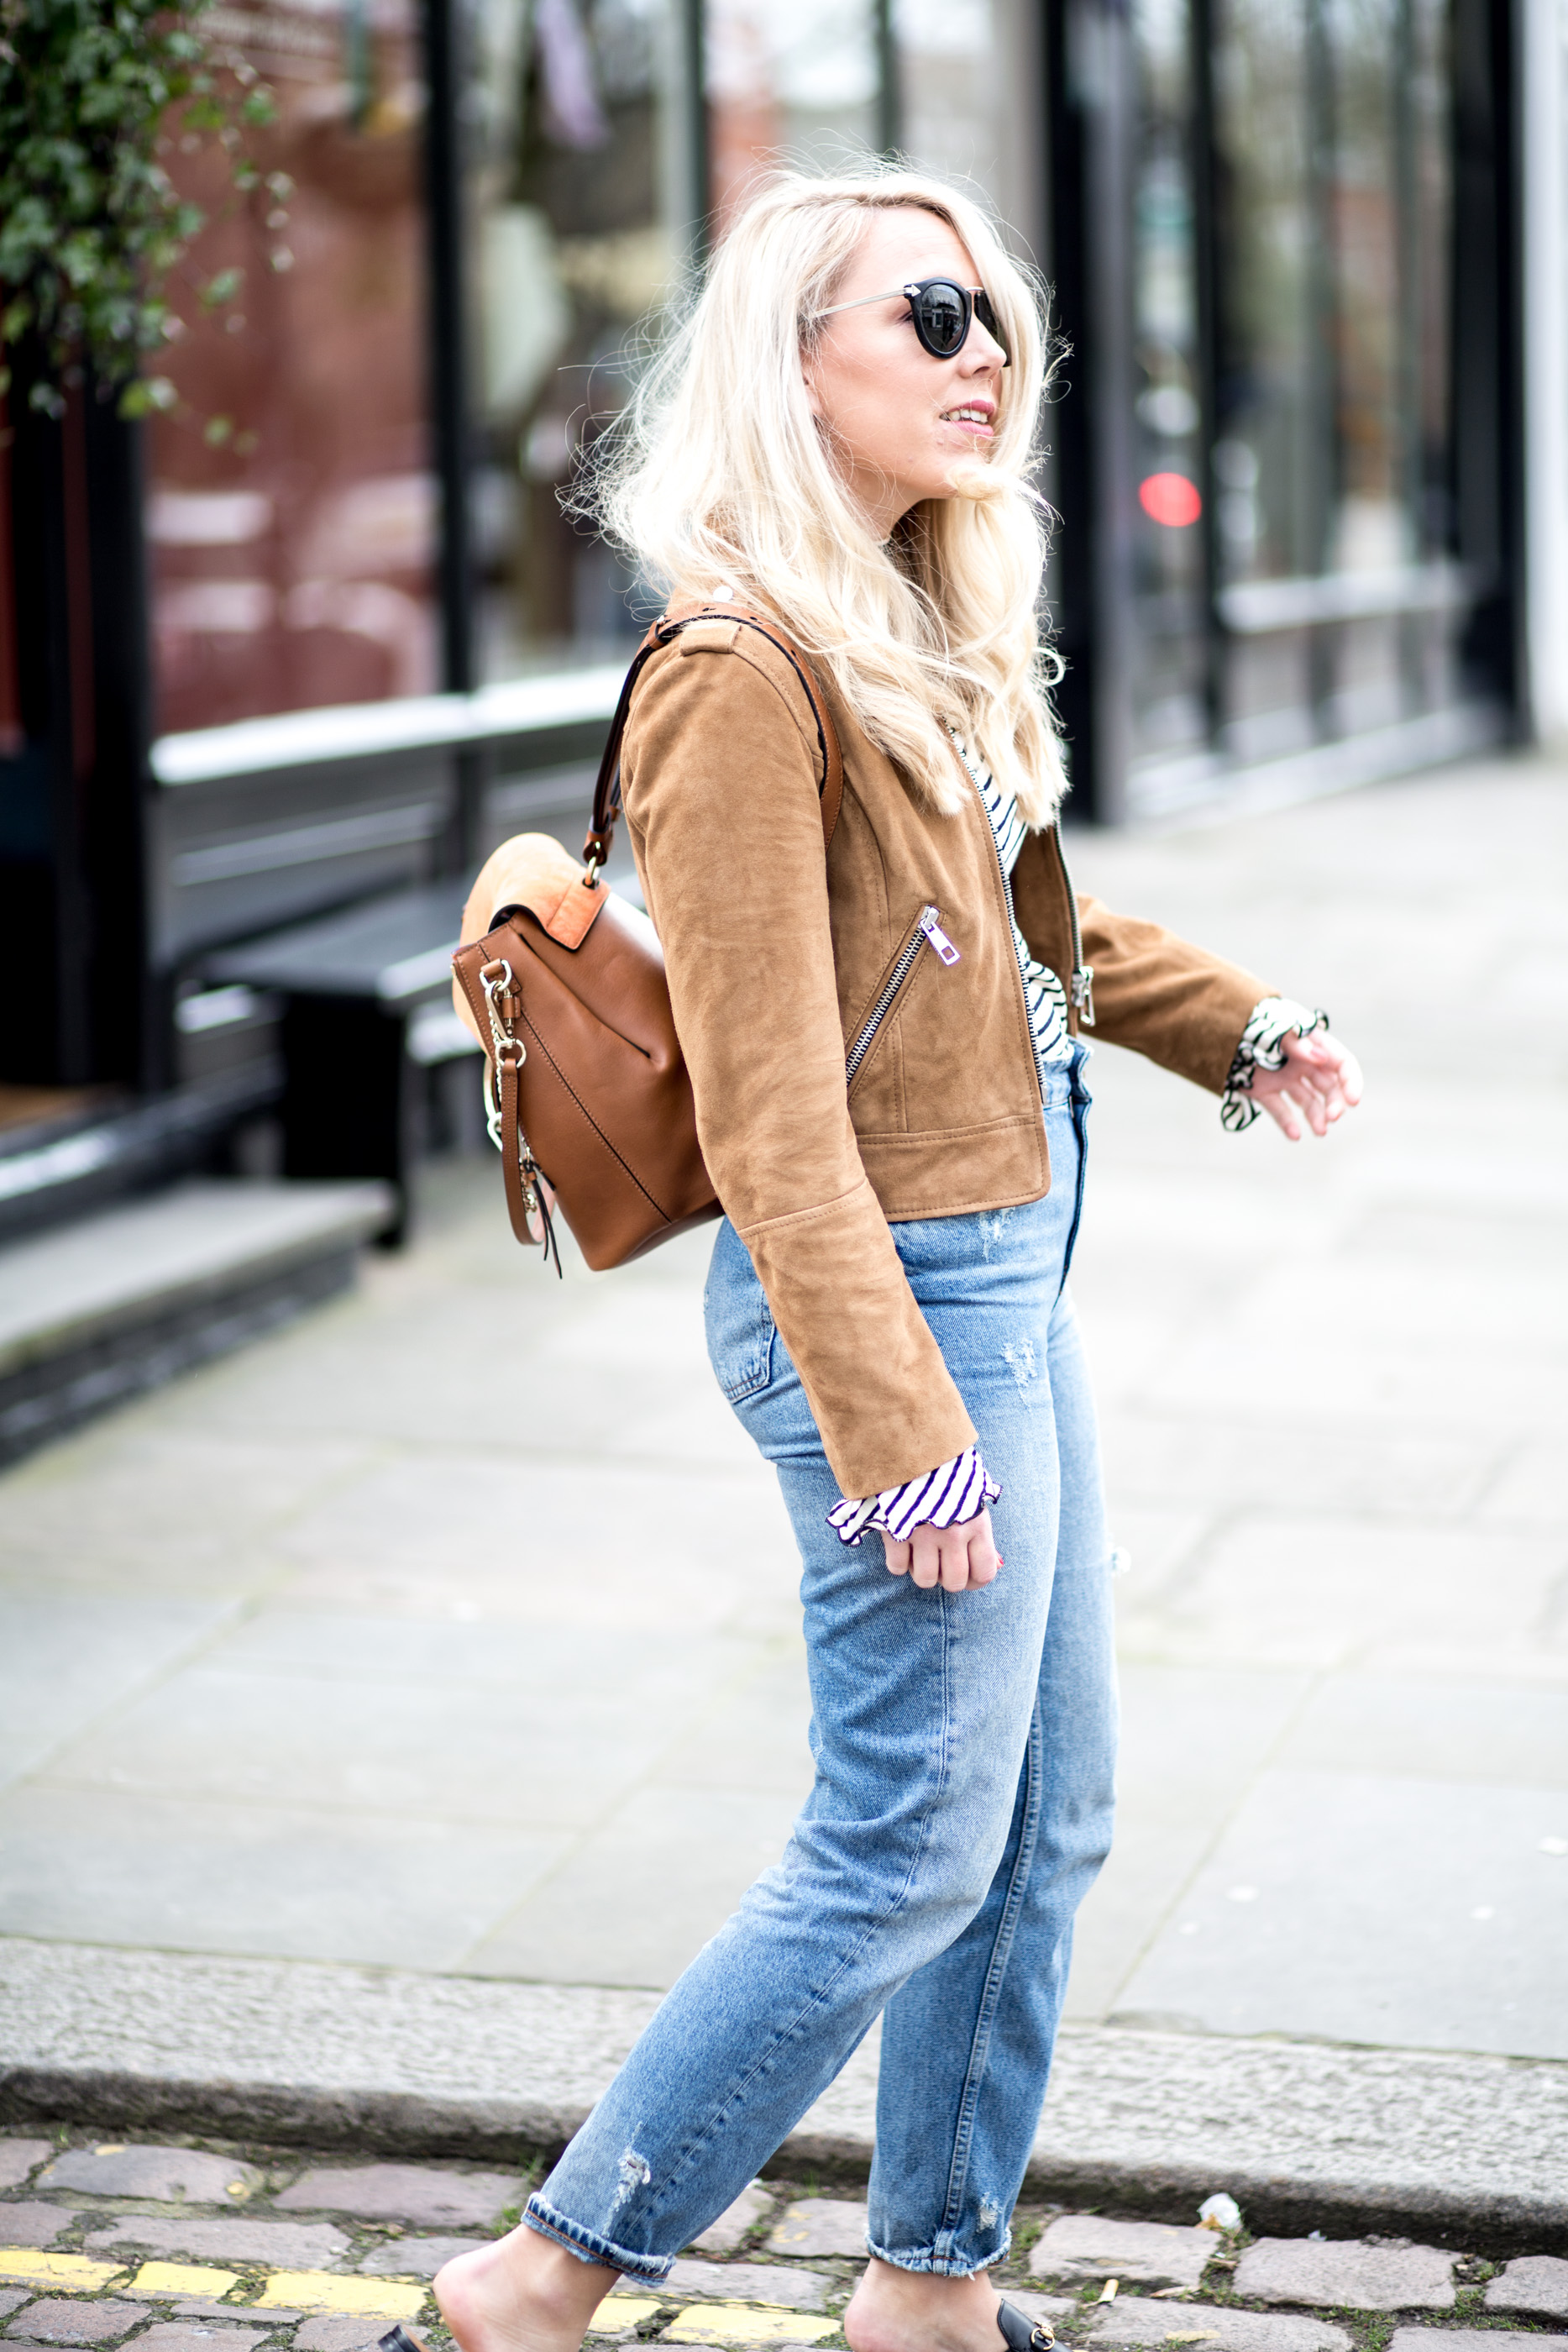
784 967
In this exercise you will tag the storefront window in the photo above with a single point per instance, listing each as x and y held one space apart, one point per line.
796 85
966 102
576 228
1332 445
1316 598
1170 706
291 507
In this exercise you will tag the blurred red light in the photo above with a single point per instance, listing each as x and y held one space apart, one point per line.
1171 499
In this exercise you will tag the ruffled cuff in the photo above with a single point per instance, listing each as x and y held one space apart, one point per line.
955 1491
1262 1048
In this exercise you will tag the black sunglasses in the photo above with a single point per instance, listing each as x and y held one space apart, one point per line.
940 311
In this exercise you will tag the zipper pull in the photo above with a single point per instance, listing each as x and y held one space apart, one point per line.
1083 993
938 938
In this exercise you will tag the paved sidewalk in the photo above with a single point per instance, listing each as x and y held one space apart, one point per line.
454 1631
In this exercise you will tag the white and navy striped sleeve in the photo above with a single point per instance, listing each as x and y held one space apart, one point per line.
946 1497
1262 1048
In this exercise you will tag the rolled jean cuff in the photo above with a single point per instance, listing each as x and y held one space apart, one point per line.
954 2265
649 2270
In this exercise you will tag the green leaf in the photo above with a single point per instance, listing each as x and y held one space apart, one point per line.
218 430
146 394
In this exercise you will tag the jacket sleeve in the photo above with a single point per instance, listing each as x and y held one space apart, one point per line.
719 782
1178 1003
1183 1007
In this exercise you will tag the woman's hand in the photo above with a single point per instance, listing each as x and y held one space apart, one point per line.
1321 1080
955 1558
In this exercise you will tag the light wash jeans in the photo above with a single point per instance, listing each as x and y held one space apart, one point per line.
964 1746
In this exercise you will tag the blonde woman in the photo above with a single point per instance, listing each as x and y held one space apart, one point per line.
884 1047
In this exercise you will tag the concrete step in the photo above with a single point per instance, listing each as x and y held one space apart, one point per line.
123 1300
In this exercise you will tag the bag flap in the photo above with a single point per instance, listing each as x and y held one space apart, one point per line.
533 870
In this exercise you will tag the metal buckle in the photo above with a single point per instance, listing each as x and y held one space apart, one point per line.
505 1049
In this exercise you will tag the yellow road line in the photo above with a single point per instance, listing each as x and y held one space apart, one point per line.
70 2271
737 2323
183 2278
324 2291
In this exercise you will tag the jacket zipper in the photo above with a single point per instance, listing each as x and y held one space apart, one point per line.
928 932
1082 982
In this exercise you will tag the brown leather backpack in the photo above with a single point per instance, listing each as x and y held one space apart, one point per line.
589 1096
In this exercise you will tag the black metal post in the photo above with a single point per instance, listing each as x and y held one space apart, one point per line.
1321 441
1090 95
1204 162
74 974
690 128
1486 308
446 80
889 95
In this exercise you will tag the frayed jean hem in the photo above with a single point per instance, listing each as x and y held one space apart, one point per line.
926 2258
649 2270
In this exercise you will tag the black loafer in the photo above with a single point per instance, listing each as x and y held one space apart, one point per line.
1021 2333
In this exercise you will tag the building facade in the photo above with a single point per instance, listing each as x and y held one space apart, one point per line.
323 630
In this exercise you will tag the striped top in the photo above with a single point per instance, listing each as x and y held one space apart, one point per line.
1043 992
960 1489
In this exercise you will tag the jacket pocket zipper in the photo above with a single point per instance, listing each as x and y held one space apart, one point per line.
1083 981
926 931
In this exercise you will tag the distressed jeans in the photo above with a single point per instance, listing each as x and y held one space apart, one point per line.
964 1747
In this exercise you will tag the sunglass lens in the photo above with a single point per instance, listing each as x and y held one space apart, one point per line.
987 318
941 314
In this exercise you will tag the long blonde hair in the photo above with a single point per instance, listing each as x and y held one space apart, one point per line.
718 471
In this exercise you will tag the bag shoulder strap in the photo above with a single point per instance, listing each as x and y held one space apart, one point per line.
607 789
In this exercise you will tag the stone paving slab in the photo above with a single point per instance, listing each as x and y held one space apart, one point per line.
54 2320
327 2333
20 2156
764 2282
1137 2321
738 2326
405 2192
1347 2272
238 2238
190 2335
1536 2284
820 2225
1466 2339
187 2174
1079 2246
415 2257
723 2236
34 2224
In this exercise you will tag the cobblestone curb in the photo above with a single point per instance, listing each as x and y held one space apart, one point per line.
1465 2151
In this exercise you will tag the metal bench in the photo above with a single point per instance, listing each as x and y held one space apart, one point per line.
366 1006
